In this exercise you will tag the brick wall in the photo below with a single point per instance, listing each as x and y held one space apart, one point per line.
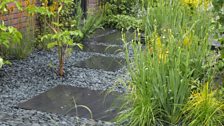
17 18
21 20
92 5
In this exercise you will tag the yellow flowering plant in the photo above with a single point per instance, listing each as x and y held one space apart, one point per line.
203 108
197 3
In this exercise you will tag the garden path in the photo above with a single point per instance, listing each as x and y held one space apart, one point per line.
97 67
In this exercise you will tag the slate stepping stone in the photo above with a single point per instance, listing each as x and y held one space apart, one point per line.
101 48
101 32
74 101
102 62
114 38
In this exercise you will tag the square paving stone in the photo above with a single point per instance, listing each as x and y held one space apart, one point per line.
114 38
102 62
74 101
100 32
101 48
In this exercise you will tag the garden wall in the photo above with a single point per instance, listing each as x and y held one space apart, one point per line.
92 5
19 19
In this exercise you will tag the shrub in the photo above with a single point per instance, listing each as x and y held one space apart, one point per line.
124 22
125 7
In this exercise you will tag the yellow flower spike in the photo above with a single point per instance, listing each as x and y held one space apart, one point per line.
206 3
197 3
163 56
158 43
193 3
187 41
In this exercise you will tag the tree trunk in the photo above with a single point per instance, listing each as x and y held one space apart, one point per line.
61 63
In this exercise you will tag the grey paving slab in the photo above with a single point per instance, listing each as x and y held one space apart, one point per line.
101 62
74 101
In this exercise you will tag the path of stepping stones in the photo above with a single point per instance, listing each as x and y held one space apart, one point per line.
83 102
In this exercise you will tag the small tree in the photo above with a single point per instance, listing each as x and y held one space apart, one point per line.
60 38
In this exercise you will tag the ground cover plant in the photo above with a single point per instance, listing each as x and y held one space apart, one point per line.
175 62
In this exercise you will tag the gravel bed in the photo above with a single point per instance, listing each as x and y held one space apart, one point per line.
36 74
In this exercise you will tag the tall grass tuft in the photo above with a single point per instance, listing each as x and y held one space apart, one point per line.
174 61
203 108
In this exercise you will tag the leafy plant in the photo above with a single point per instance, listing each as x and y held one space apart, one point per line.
8 34
71 18
91 23
88 24
219 10
114 7
63 41
124 14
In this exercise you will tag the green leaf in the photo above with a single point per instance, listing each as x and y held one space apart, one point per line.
59 9
79 45
52 44
7 62
1 62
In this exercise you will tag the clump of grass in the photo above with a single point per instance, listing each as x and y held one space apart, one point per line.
203 108
165 71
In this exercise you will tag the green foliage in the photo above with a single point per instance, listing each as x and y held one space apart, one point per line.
203 108
178 18
219 10
89 24
9 34
39 10
175 61
122 14
71 18
60 37
162 76
24 47
3 5
114 7
124 22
